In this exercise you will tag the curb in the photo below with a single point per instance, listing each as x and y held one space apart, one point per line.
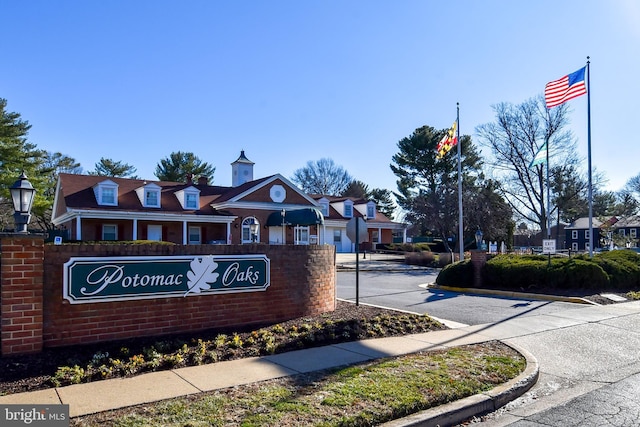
512 294
342 267
479 404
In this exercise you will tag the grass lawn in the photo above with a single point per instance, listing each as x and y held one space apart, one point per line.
360 395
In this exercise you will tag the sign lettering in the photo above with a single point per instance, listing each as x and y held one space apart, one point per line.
101 279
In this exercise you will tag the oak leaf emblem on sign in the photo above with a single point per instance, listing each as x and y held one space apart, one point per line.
202 274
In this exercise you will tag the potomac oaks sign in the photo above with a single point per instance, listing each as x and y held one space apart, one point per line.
102 279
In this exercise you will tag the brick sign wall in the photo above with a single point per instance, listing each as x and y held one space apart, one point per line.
302 282
21 301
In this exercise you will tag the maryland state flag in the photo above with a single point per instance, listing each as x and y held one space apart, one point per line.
449 141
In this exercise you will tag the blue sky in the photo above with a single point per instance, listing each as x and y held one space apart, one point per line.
293 81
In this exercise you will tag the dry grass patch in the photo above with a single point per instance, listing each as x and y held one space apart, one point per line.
360 395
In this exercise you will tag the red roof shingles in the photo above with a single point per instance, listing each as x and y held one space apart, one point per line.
77 193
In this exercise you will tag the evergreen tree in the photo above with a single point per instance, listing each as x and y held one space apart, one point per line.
53 164
384 202
428 189
180 165
381 197
357 189
110 167
17 155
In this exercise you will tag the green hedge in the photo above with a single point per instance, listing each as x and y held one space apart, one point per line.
457 274
622 267
531 273
534 272
405 247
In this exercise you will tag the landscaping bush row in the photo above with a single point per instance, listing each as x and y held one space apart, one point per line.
173 353
622 268
429 259
406 247
615 270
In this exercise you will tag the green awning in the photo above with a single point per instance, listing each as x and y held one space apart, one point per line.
307 216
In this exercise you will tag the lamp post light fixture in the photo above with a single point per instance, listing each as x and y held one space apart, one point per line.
254 231
478 237
284 230
22 193
364 251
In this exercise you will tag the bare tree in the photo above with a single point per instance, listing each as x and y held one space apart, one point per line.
631 189
513 140
322 177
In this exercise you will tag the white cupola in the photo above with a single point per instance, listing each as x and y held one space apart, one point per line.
241 170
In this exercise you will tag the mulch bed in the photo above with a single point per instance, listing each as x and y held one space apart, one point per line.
35 371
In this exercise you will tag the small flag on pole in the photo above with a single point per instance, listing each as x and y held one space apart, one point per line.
449 141
562 90
540 157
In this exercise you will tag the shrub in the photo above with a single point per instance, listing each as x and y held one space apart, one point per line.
533 272
576 273
622 267
406 247
422 247
419 258
444 259
68 375
529 273
458 274
515 272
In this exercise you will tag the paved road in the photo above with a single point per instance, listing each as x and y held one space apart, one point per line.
403 290
589 363
589 374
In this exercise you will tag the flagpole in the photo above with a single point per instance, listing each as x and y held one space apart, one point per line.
460 227
548 224
589 158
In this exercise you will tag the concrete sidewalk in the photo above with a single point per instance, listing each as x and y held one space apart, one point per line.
111 394
104 395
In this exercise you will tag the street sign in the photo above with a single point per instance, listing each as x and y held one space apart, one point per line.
362 230
548 246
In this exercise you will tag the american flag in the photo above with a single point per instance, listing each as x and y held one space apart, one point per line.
570 86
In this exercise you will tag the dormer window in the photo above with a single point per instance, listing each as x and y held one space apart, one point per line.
189 198
108 196
324 207
149 195
191 201
106 193
152 198
371 210
348 209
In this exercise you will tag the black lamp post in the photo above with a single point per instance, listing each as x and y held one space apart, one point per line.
478 237
22 193
364 251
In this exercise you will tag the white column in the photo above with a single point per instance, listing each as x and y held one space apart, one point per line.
79 228
184 232
228 233
135 229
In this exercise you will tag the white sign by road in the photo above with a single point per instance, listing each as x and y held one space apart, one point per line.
548 246
362 230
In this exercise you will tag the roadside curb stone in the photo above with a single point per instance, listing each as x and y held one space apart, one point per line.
512 294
